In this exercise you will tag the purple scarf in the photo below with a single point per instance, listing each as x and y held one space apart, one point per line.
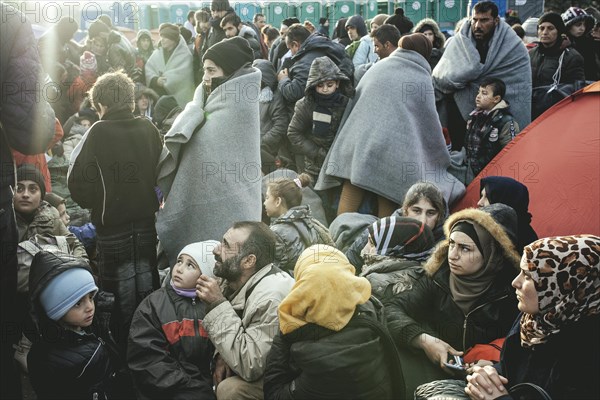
191 293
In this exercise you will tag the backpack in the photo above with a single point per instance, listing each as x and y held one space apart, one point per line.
27 249
323 235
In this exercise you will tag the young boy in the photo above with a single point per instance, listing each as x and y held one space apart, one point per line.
318 114
169 353
112 172
490 127
68 360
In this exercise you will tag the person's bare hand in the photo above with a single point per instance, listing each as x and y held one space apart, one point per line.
435 349
485 383
208 289
222 371
161 81
282 74
479 363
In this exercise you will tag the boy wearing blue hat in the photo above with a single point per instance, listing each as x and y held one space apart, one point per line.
68 359
169 352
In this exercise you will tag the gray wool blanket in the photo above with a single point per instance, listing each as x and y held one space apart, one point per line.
211 177
390 136
459 71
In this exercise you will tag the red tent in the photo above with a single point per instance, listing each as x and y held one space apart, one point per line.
558 158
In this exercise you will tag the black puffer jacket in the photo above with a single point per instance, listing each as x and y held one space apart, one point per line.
544 63
557 366
430 308
297 230
64 364
274 118
358 362
314 46
169 353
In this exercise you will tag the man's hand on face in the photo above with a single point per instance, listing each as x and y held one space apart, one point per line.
208 290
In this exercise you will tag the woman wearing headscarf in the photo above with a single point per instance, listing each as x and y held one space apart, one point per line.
554 342
396 249
463 299
331 344
209 170
553 54
501 189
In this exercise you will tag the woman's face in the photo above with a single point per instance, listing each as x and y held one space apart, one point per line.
211 70
464 257
423 211
429 35
483 201
577 29
374 26
185 272
526 292
28 197
145 43
142 103
352 33
547 33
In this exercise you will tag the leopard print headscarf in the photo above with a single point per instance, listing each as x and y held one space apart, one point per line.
566 272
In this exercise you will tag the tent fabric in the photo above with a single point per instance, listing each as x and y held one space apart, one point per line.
558 158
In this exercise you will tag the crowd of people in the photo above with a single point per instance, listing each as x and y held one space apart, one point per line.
242 211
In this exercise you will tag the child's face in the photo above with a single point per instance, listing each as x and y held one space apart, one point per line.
485 99
272 205
145 43
327 87
81 314
142 103
185 272
64 216
578 29
86 123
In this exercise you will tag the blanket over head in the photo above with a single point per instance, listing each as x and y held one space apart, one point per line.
390 136
459 71
178 71
211 177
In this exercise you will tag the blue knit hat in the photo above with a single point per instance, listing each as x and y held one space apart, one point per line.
65 290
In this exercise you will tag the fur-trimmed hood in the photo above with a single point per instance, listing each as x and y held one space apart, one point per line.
498 219
440 39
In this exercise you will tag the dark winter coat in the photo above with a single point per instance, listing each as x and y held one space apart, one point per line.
544 63
113 169
304 142
297 230
215 33
250 35
487 134
314 46
64 364
390 276
589 50
557 366
358 362
430 308
26 122
274 117
169 352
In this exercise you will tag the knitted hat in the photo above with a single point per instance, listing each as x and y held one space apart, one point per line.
556 20
65 290
400 235
220 5
87 62
202 253
357 22
575 14
169 31
403 24
230 54
379 19
106 19
66 28
28 172
416 42
96 28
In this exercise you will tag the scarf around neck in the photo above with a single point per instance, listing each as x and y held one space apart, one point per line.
189 293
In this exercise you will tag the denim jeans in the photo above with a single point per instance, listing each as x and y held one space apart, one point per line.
127 266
